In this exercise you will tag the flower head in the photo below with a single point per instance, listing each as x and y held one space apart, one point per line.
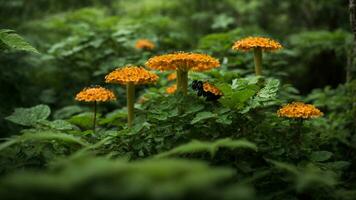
144 44
96 93
249 43
172 89
131 74
207 87
183 61
299 110
172 76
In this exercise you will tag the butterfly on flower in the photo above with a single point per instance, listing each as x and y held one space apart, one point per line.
207 90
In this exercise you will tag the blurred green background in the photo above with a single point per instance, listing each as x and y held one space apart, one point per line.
80 41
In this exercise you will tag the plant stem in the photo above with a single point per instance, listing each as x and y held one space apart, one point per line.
94 118
130 93
182 81
298 126
257 52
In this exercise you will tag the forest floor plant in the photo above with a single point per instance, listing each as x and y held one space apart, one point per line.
131 76
297 112
95 94
257 44
183 62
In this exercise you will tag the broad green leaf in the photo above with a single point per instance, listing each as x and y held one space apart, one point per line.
202 116
67 112
114 117
222 21
237 94
269 91
59 124
284 166
320 156
12 41
43 136
146 179
29 116
224 119
84 120
211 147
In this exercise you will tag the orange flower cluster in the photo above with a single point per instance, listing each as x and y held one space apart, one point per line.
172 89
183 61
207 87
144 44
172 76
299 110
249 43
93 94
131 74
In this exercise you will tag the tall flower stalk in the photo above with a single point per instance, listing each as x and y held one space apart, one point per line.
130 76
183 63
130 92
95 94
298 112
258 45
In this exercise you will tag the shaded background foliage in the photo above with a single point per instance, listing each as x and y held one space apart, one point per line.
237 140
80 41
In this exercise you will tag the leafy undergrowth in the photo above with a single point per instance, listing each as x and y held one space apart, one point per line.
186 148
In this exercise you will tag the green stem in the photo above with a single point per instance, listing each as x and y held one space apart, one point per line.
298 127
130 92
182 81
94 118
257 52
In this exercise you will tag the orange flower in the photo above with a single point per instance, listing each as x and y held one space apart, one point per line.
144 44
131 74
183 61
172 89
249 43
96 93
172 76
207 87
299 110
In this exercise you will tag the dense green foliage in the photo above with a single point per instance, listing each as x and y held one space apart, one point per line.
180 147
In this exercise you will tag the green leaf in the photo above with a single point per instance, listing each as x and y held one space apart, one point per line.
222 21
238 93
202 116
59 124
84 120
10 40
29 116
67 112
320 156
211 147
224 119
267 95
309 176
43 136
142 179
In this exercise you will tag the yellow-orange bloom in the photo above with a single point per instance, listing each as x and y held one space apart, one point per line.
207 87
131 74
299 110
250 43
96 93
172 76
183 61
144 44
172 89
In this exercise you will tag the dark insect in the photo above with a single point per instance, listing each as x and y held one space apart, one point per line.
198 86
